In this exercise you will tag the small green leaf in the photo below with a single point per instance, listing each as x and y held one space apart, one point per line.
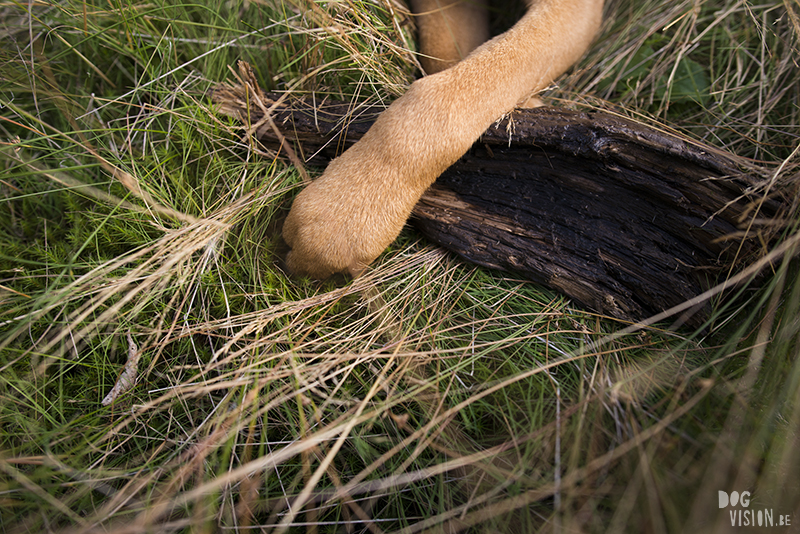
690 84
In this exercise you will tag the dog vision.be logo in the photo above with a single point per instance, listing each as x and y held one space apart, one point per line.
743 516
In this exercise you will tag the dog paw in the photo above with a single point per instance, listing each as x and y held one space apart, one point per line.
344 219
347 217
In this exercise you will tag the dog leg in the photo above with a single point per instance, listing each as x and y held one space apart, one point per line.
347 217
449 30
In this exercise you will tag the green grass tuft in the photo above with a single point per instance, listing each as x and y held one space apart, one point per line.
428 394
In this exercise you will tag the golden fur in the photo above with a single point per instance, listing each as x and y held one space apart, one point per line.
347 217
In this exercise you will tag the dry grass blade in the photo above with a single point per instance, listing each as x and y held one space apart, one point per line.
137 221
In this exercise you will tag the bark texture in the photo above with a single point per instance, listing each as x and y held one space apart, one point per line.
624 218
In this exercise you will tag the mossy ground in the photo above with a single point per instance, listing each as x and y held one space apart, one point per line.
428 394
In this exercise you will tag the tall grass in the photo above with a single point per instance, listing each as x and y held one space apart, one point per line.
137 224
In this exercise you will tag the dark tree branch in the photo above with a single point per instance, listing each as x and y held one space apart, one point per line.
624 218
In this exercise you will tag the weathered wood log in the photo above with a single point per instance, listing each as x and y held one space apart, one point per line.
624 218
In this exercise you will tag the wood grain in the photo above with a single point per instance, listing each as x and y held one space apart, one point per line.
624 218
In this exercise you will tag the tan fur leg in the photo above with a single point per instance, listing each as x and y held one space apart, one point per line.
347 217
449 30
